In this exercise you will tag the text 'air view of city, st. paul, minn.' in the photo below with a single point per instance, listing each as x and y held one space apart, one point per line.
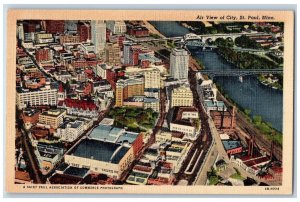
149 103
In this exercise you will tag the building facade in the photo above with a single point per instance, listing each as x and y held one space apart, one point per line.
152 78
112 54
116 27
70 131
182 96
84 31
179 63
98 30
53 118
39 97
126 88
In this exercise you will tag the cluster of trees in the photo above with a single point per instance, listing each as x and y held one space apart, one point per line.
199 27
279 60
246 60
136 119
245 42
213 177
220 42
264 127
267 129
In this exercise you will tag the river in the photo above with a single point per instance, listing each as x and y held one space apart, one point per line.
249 94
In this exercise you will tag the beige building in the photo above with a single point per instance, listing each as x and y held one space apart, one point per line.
126 88
152 78
182 96
53 118
112 54
102 157
69 39
117 27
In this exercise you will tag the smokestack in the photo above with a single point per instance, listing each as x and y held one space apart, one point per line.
233 117
250 146
272 150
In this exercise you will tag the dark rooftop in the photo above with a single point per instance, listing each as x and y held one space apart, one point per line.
76 172
101 151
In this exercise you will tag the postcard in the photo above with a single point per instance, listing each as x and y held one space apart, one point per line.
149 101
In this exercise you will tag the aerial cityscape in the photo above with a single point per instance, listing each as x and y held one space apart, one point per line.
149 103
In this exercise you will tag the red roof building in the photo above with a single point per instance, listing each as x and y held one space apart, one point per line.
80 104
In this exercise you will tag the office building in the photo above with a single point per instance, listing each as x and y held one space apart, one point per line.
42 96
126 88
98 30
152 78
182 96
116 27
70 131
179 63
52 117
112 54
55 26
84 31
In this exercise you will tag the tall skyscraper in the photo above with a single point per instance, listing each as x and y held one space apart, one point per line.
98 35
126 52
179 63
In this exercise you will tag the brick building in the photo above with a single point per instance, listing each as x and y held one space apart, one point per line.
84 31
43 54
224 119
137 31
55 26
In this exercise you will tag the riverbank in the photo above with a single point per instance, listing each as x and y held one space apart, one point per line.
255 124
153 30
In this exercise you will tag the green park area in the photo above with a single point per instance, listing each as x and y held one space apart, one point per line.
135 119
264 127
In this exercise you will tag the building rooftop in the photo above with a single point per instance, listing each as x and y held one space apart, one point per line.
53 112
76 172
211 103
231 144
106 133
99 150
128 137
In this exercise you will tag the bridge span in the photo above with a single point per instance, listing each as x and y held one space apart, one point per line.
240 72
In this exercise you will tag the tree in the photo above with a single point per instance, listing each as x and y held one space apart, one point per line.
257 119
247 112
245 42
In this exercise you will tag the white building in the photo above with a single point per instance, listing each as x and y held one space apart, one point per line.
187 129
70 131
182 96
179 63
87 47
152 78
20 31
43 96
100 70
98 35
117 27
